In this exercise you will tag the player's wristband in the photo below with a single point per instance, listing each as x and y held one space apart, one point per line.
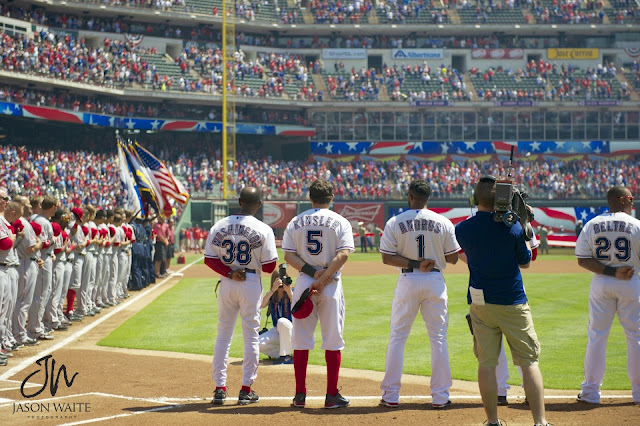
609 270
414 264
308 269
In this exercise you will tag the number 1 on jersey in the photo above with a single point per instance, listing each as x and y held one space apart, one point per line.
314 245
420 240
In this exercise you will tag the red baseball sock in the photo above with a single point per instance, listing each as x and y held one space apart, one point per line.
333 359
71 298
224 388
300 361
246 388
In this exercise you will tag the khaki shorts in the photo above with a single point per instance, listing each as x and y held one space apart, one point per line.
490 322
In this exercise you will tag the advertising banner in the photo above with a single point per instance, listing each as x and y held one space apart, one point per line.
361 212
277 214
497 53
573 53
344 53
417 53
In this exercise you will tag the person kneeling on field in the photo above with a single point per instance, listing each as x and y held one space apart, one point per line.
276 341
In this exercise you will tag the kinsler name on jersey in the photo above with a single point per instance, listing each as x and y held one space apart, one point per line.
417 225
613 226
316 221
255 240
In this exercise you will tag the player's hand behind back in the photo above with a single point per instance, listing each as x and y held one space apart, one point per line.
239 275
427 265
625 273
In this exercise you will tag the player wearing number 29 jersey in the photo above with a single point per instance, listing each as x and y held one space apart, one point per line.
239 247
609 246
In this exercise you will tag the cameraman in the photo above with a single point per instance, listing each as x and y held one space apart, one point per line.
495 253
276 341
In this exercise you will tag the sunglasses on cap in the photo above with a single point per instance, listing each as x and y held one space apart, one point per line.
4 198
488 179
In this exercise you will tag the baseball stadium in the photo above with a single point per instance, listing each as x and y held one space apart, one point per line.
166 253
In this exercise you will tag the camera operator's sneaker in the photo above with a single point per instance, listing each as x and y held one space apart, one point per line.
219 396
299 400
247 397
335 401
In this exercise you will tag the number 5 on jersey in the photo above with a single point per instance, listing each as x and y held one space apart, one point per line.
314 244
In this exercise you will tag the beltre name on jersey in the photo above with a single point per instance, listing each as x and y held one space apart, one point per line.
255 240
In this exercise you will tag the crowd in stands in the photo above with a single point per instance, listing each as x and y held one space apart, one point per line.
81 176
338 12
553 82
398 12
570 12
110 106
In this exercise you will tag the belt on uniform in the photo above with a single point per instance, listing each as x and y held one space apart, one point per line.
35 259
4 264
251 271
410 270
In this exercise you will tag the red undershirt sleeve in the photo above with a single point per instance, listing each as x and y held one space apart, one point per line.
6 244
217 266
269 267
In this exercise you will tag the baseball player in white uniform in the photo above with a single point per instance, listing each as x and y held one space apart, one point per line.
609 246
317 243
239 248
421 243
12 212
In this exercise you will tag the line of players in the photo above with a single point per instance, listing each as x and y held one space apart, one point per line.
49 256
318 242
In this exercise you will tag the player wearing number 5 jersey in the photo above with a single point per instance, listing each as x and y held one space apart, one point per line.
609 246
421 243
239 247
317 243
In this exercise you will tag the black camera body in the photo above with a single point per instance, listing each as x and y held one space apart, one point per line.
510 207
282 271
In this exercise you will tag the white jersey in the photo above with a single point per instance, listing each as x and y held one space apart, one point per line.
28 240
420 234
317 235
45 235
242 242
611 238
91 225
104 229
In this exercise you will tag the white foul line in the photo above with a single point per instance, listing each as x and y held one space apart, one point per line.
31 360
117 416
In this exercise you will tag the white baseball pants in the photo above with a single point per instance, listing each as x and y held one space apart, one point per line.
427 293
607 297
244 298
276 341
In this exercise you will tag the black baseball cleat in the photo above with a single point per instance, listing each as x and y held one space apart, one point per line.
502 400
247 397
299 400
335 401
219 396
440 406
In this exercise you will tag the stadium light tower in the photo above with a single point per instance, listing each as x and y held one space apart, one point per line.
228 94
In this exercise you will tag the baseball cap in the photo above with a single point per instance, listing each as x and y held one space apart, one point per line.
304 305
78 212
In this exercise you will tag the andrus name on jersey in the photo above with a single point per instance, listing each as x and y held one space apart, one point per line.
416 225
315 221
613 226
255 240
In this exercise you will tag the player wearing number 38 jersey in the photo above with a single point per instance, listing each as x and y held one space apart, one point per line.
239 247
609 246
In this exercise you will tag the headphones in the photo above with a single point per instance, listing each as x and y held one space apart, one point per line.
473 200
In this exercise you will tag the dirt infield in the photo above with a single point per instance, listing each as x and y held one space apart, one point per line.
146 387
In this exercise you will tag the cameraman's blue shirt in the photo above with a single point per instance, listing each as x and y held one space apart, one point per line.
494 252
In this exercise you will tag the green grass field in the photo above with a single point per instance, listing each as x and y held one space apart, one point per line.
183 319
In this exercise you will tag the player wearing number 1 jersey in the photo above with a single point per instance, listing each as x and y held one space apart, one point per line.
421 243
609 246
239 247
317 243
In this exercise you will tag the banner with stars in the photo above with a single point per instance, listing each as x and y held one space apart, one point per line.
431 148
153 124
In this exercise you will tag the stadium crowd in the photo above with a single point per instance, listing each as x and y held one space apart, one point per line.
84 177
61 265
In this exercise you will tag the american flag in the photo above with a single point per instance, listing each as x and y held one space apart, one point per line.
164 181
